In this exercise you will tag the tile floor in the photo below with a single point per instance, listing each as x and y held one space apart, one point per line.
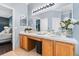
21 52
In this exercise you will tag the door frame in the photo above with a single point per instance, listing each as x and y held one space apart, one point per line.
13 28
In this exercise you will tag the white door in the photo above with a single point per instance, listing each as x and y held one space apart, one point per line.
44 24
56 23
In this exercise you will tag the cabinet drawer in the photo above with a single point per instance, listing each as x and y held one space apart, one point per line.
34 38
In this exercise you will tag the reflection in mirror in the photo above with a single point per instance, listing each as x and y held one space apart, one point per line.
64 12
50 18
44 24
38 25
56 23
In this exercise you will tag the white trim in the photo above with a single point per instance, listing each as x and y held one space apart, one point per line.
13 31
72 11
27 15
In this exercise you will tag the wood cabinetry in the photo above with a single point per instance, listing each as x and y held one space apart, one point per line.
64 49
25 43
47 47
57 48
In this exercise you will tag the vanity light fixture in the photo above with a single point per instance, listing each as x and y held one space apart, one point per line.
44 7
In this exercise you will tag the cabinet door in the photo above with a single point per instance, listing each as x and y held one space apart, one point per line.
64 49
47 47
23 42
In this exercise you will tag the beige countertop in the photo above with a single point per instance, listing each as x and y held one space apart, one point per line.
52 37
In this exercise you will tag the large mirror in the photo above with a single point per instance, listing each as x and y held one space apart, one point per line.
50 19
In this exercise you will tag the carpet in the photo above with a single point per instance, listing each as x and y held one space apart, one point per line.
5 47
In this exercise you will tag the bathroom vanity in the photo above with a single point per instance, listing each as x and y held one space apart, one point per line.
51 45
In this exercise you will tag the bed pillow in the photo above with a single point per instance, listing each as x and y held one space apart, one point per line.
6 29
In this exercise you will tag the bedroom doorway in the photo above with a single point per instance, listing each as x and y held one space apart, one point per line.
6 29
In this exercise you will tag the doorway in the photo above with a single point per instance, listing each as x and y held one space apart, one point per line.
6 29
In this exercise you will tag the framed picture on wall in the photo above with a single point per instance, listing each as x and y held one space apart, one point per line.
23 21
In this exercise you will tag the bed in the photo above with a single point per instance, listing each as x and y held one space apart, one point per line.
5 37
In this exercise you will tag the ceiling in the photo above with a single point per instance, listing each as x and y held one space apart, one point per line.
5 12
20 8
